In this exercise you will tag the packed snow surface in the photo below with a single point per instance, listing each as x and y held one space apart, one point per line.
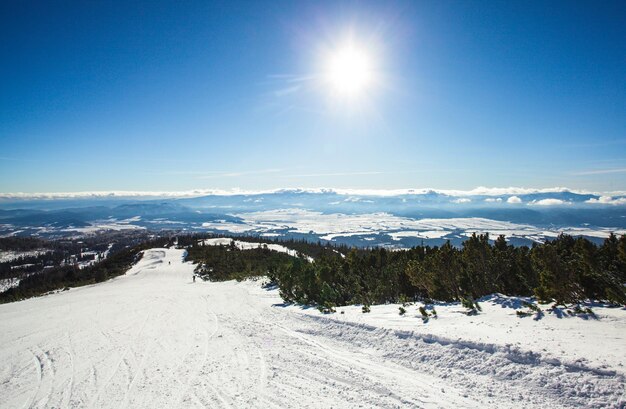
154 339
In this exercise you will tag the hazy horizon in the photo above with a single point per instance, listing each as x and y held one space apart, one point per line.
477 191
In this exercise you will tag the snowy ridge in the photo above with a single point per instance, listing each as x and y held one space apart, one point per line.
510 371
555 336
513 353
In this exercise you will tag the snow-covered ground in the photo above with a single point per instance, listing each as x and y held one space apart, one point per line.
154 339
246 245
7 283
556 336
330 226
10 255
106 225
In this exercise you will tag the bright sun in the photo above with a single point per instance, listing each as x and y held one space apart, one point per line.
349 71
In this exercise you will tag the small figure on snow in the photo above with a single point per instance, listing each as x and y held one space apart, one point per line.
194 278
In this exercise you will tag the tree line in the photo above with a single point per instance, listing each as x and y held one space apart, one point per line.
566 270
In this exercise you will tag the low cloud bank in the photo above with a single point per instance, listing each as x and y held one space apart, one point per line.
495 195
549 202
608 200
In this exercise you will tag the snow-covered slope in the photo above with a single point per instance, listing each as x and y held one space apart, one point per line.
595 341
246 245
154 339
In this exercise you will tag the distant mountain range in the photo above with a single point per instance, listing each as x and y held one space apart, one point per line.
369 217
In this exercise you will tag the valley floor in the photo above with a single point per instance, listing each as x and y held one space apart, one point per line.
154 339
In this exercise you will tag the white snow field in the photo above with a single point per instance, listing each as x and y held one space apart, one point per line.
332 225
246 245
154 339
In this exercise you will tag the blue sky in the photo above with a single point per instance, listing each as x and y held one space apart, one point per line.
182 95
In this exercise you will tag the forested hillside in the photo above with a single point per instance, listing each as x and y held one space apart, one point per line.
70 275
564 270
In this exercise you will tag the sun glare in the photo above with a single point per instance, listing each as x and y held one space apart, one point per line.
349 71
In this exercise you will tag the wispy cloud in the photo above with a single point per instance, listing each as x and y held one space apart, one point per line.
211 174
291 78
234 174
597 144
11 159
287 91
184 172
600 172
288 84
312 175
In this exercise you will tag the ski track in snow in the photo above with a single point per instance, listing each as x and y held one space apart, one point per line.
154 339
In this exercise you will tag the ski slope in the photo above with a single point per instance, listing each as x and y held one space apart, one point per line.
154 339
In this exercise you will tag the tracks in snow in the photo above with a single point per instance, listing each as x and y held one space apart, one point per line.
153 339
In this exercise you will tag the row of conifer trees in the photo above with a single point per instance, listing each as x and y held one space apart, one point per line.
565 270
